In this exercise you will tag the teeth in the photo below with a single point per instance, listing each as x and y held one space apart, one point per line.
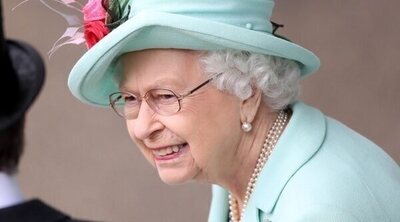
175 148
167 151
163 152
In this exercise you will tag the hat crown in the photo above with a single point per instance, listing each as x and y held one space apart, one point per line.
250 14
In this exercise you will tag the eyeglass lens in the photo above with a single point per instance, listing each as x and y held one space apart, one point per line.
162 101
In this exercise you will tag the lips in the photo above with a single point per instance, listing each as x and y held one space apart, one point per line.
167 151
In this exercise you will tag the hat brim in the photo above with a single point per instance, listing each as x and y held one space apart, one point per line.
92 78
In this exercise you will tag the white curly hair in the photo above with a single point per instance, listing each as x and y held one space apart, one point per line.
278 78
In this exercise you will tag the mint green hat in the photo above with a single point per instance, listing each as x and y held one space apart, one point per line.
181 24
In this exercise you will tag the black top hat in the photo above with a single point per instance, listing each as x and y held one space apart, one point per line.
21 79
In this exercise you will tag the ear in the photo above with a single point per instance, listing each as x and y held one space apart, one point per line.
250 106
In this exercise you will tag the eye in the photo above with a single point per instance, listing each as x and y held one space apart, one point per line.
129 100
163 97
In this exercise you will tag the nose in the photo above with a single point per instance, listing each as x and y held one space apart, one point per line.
146 123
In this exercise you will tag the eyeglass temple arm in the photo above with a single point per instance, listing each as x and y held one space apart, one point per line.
201 85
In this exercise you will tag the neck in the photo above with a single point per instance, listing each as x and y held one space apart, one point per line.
248 153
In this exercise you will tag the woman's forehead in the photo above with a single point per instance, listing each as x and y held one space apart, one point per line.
160 56
159 68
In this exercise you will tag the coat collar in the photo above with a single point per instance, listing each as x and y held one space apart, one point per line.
219 205
10 193
300 140
33 210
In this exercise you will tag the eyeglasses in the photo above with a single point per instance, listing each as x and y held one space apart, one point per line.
162 101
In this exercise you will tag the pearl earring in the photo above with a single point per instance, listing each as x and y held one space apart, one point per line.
246 126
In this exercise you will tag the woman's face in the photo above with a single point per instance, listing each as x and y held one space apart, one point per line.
195 143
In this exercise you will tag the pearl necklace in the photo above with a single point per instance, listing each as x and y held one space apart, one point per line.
269 143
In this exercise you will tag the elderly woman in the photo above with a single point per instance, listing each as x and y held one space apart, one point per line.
209 94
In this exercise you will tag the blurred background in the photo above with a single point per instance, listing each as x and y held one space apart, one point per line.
81 160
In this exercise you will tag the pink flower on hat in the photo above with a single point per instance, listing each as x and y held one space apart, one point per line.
94 17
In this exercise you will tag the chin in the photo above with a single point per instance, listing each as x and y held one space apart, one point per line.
175 177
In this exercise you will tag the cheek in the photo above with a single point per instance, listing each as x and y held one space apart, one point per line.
211 126
215 114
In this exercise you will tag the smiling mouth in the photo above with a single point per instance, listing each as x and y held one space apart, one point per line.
169 151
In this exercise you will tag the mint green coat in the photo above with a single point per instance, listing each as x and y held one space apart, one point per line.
320 171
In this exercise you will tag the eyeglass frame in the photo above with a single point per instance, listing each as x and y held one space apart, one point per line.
144 97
